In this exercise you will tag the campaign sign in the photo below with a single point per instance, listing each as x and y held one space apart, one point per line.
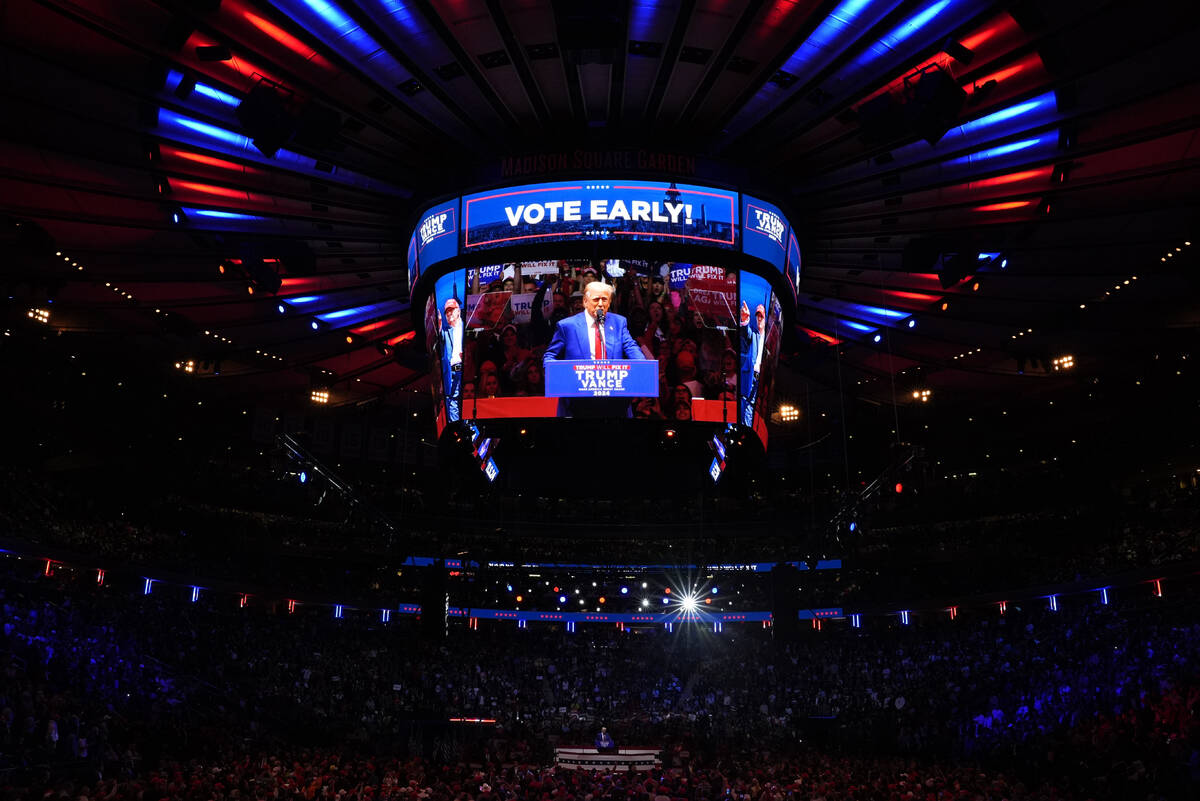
522 307
713 292
490 310
437 235
588 378
487 274
680 273
766 231
576 210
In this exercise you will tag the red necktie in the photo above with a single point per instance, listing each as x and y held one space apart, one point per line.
599 343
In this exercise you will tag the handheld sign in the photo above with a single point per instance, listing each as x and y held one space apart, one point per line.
587 378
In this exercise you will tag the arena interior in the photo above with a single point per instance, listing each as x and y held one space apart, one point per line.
600 400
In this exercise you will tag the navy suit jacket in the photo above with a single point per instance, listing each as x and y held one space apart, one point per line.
570 340
752 340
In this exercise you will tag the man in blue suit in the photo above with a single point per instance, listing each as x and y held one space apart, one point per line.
594 334
754 341
452 359
580 337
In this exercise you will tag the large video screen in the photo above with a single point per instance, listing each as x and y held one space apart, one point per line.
712 334
601 210
681 317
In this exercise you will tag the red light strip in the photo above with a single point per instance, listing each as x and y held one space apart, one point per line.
304 284
1012 204
284 38
200 158
402 338
913 295
1030 62
823 337
1012 178
209 189
372 326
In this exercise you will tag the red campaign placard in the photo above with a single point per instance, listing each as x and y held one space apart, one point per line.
488 311
713 294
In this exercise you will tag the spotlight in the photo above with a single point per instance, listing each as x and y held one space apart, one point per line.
878 338
1063 362
315 325
281 308
788 413
912 323
624 590
921 395
689 603
320 396
303 477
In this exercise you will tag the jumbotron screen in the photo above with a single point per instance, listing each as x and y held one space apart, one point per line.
712 333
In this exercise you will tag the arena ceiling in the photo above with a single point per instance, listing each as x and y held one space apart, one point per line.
1064 174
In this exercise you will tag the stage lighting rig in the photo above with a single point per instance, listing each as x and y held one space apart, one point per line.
787 413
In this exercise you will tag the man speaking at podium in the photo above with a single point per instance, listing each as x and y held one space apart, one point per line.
594 333
597 334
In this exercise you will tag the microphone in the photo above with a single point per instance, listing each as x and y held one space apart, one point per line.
600 316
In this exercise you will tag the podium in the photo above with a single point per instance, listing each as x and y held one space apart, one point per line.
602 378
622 759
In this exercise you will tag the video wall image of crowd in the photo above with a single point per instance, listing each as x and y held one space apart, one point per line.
489 329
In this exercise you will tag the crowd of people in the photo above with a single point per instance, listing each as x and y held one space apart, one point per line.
148 691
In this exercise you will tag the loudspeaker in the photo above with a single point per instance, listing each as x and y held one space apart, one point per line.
934 105
265 118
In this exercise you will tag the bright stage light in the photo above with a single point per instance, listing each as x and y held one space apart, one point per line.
689 603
